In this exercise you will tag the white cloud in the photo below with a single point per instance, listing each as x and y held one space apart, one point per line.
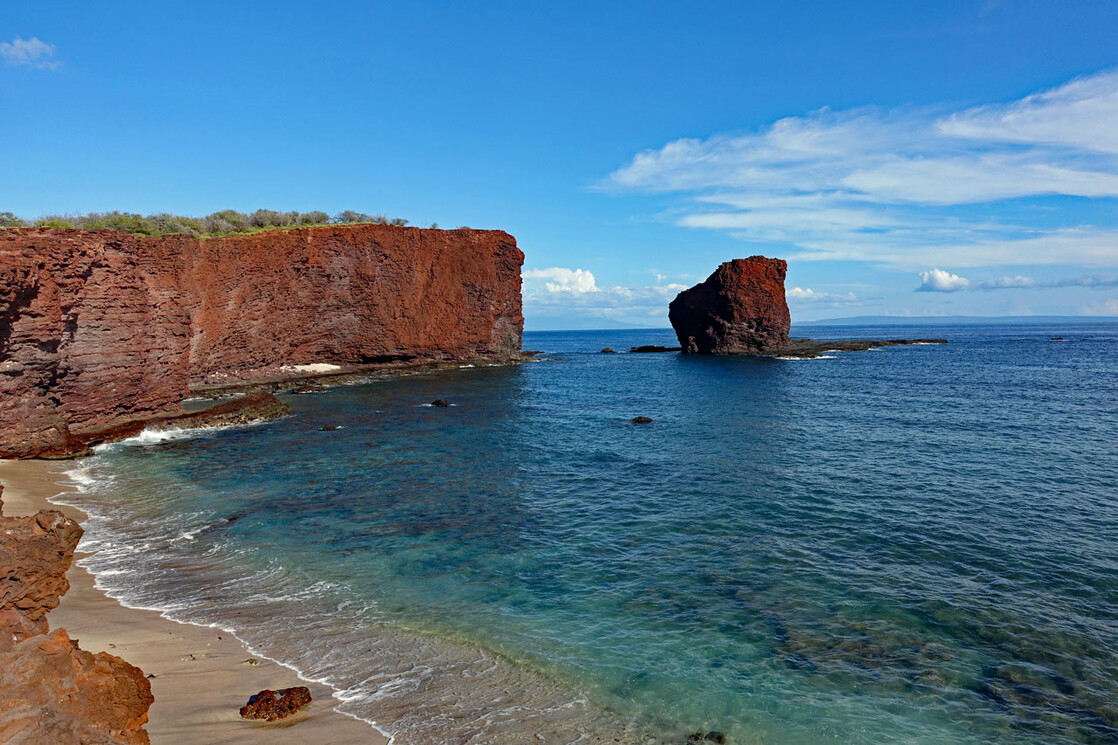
29 53
890 186
937 280
574 292
806 295
575 281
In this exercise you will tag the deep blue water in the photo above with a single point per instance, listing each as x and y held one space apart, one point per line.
911 545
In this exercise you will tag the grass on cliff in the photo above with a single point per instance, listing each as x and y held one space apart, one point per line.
224 222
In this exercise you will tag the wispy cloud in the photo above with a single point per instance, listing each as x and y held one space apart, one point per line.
29 53
899 186
561 280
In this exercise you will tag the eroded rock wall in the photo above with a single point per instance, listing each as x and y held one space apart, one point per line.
99 328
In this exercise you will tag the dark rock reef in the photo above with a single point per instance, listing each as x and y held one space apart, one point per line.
741 309
51 691
101 328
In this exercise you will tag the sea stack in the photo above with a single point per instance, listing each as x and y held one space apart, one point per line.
740 309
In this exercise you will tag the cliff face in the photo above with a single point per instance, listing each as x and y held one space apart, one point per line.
51 690
740 309
99 328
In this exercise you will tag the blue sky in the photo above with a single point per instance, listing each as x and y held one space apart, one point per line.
906 158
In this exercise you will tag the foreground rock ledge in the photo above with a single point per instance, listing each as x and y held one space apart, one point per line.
51 691
741 309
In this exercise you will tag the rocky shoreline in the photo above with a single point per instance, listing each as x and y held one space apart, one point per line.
53 691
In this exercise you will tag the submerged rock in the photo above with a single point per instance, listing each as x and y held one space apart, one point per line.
651 348
301 388
275 705
441 402
640 420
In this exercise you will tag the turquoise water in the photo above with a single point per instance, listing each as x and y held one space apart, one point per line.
911 545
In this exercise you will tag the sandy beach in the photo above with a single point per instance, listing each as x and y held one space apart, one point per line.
202 676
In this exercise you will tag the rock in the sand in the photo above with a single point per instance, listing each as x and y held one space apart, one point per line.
275 705
441 402
640 420
718 738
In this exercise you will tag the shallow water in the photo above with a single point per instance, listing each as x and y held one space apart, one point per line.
914 544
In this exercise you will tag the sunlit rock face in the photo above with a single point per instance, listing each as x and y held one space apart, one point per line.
739 309
98 328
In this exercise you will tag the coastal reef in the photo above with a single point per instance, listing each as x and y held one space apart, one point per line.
51 691
739 309
99 328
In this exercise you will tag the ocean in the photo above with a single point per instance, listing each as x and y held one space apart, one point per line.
907 545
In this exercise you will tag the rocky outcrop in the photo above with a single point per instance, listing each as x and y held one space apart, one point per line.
51 691
35 553
740 309
99 328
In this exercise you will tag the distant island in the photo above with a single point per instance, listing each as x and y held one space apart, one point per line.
952 320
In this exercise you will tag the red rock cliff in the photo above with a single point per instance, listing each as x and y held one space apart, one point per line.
740 309
100 327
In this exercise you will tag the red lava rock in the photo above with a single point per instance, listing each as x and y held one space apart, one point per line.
275 705
50 689
101 328
739 309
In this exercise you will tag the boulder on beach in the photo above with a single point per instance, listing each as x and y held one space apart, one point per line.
275 705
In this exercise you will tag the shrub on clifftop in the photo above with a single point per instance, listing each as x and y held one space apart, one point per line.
222 222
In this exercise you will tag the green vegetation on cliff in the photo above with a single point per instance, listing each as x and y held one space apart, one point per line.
224 222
